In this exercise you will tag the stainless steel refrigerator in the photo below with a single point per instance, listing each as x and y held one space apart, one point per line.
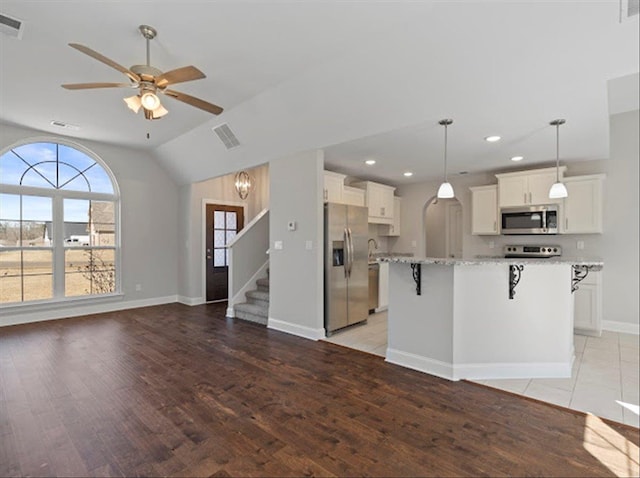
346 275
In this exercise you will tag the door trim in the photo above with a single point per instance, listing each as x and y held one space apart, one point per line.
203 238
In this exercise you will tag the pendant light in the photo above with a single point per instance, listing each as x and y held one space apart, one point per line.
558 190
445 190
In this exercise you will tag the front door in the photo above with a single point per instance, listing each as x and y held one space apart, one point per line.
223 223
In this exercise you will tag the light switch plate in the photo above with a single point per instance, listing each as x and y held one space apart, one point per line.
308 245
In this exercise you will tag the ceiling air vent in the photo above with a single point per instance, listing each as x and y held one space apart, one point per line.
61 124
11 26
226 136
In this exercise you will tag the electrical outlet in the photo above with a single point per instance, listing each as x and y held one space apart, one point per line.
580 245
308 245
492 244
291 225
278 245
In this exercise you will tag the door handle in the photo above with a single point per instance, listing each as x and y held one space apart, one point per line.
345 260
350 250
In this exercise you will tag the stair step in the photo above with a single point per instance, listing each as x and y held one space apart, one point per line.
251 312
258 297
263 284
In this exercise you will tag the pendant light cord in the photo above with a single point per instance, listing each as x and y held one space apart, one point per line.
558 153
445 153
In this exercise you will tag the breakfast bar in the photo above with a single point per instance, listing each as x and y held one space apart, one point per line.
483 318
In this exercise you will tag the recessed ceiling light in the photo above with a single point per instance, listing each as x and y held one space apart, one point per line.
517 158
492 139
408 174
370 162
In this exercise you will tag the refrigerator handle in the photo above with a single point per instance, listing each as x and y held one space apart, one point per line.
347 252
350 251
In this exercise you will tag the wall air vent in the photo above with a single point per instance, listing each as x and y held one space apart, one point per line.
11 27
226 136
629 9
61 124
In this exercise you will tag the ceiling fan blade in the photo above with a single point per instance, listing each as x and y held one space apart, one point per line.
179 75
86 86
105 60
193 101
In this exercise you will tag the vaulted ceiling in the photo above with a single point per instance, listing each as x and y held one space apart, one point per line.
358 79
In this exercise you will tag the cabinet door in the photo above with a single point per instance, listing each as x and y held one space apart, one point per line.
383 286
539 185
333 184
484 210
353 196
392 229
386 203
586 320
583 206
513 191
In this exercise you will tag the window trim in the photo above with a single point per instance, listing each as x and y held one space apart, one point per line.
57 197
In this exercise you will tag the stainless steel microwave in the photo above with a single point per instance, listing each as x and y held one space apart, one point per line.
529 220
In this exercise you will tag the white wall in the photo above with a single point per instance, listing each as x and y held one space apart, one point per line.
149 231
618 246
222 191
296 303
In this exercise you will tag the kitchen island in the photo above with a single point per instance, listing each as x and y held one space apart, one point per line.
483 318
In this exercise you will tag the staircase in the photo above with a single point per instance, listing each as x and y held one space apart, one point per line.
256 308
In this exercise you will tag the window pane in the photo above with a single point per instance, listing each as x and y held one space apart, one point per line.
102 223
10 289
34 153
75 158
230 236
10 206
38 287
10 263
103 259
11 168
76 210
103 235
68 174
37 262
77 272
99 180
218 238
218 219
36 208
76 222
32 178
219 257
78 184
33 233
232 220
9 233
76 284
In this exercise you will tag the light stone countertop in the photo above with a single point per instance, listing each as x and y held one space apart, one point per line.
593 264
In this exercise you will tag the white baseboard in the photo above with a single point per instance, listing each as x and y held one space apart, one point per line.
75 311
420 363
295 329
489 371
191 300
230 313
479 371
624 327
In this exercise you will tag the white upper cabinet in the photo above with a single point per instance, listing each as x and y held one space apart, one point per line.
394 228
333 186
379 200
484 210
582 211
353 196
527 188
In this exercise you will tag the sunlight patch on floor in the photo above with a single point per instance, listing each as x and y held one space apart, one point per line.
614 451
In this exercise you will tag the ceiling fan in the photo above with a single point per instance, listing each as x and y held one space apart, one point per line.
149 81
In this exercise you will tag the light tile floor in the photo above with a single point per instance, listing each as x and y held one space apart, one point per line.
604 379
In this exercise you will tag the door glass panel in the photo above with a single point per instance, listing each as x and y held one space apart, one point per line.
230 236
218 219
218 239
232 220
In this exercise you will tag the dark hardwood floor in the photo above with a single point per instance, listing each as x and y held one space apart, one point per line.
182 391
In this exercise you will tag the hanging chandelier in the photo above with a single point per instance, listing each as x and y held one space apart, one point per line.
243 184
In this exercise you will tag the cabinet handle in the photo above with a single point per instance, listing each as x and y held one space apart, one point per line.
495 226
382 211
566 223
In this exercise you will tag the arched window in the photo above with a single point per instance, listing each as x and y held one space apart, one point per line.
59 211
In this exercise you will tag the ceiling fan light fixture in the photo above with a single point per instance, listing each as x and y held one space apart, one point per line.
149 100
158 113
134 103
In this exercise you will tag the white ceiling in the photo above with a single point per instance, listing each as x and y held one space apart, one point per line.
359 79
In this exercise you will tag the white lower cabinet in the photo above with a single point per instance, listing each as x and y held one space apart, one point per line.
383 287
588 306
